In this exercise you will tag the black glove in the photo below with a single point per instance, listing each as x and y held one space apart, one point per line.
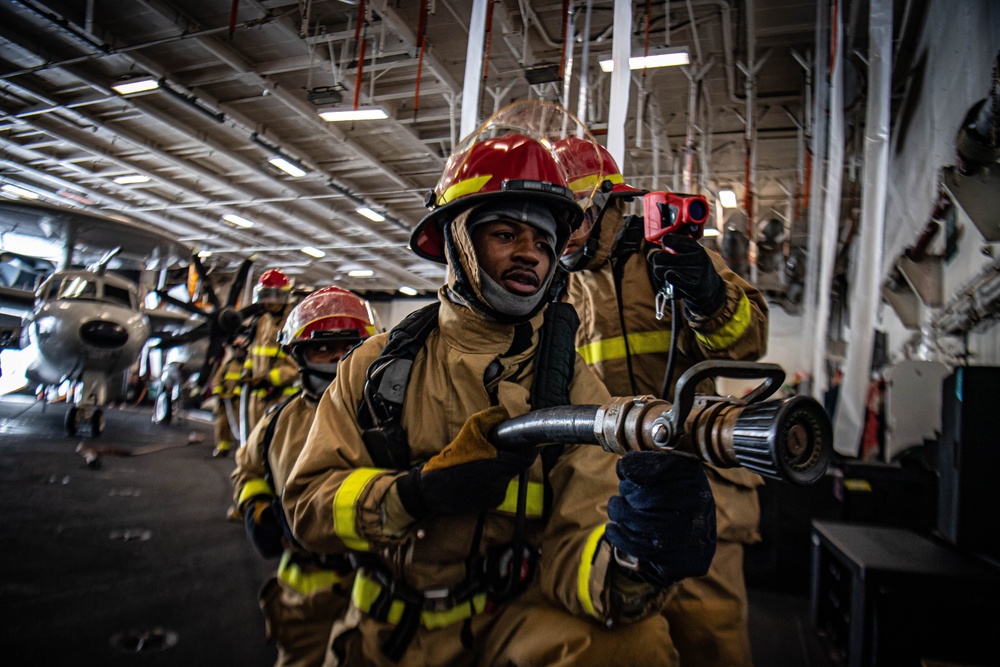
685 264
263 526
664 516
468 476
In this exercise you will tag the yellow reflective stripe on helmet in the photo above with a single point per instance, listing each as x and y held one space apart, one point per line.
305 583
583 575
344 507
643 342
731 331
469 186
536 499
255 487
592 181
365 591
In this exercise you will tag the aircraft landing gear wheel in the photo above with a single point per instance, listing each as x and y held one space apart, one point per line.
72 422
97 423
162 408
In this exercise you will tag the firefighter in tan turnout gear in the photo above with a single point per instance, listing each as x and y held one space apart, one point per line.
269 373
309 591
226 388
613 287
455 566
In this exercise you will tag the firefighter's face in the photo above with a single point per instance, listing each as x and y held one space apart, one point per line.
517 256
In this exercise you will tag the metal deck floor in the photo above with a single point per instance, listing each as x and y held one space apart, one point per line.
132 562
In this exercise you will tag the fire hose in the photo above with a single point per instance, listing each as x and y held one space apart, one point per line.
787 439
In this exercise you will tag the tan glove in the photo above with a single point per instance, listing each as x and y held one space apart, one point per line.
468 476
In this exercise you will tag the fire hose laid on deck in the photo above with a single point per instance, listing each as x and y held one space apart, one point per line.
787 439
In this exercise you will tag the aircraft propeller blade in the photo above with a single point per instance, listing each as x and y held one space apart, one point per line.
203 274
239 282
183 305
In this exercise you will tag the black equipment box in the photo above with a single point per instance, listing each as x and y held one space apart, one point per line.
890 597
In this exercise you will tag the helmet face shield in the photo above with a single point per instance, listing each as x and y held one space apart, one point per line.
330 317
273 288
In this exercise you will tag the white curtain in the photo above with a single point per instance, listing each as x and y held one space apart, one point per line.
831 208
866 274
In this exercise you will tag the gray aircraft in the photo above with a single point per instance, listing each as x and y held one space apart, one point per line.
84 329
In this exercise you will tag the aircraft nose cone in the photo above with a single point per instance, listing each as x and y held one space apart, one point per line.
104 334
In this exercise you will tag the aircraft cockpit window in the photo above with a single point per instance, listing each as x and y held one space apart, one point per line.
118 295
77 288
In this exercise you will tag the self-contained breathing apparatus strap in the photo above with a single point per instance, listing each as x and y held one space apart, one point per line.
381 410
505 572
265 452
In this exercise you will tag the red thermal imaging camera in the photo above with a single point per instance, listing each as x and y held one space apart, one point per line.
673 213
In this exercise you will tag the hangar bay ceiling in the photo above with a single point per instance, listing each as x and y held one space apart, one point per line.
242 83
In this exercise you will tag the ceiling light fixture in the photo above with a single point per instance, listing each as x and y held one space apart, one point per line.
361 273
287 166
133 85
313 252
19 192
668 57
237 220
727 198
361 113
709 232
370 214
407 290
131 179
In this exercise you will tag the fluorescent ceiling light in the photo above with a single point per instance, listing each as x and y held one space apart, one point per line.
130 179
361 273
135 85
313 252
32 246
407 290
290 168
19 192
237 220
727 198
709 232
370 214
665 58
361 113
205 253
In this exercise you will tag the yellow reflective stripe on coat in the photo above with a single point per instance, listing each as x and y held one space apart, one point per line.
255 487
583 575
366 591
536 499
274 375
345 504
232 375
265 350
643 342
305 583
731 331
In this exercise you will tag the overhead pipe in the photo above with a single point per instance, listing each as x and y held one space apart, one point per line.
581 106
